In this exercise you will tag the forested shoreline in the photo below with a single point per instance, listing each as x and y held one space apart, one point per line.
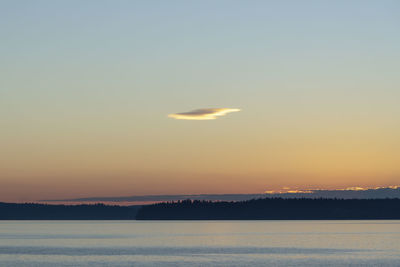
274 209
256 209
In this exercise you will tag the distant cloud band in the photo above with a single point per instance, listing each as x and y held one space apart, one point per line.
203 114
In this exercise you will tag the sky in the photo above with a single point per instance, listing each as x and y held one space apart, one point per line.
90 92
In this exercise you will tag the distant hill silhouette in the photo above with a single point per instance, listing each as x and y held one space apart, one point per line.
374 193
274 209
30 211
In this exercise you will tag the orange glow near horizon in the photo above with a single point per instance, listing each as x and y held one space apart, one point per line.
136 98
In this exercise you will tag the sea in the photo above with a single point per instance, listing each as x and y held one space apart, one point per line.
199 243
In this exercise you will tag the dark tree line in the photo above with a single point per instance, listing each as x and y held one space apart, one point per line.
31 211
274 209
256 209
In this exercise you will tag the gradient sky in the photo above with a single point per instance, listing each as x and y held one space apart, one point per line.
86 88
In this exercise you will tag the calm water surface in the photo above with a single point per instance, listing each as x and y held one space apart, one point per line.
199 243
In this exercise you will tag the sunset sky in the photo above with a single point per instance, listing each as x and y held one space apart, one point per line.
114 98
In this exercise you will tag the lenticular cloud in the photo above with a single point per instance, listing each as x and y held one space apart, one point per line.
203 114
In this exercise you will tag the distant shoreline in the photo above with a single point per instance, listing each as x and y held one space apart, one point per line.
275 209
256 209
35 211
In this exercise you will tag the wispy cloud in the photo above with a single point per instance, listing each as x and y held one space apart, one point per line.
203 114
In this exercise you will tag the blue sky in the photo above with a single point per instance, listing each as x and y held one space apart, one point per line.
86 87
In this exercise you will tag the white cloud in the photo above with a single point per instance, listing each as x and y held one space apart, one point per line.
203 114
